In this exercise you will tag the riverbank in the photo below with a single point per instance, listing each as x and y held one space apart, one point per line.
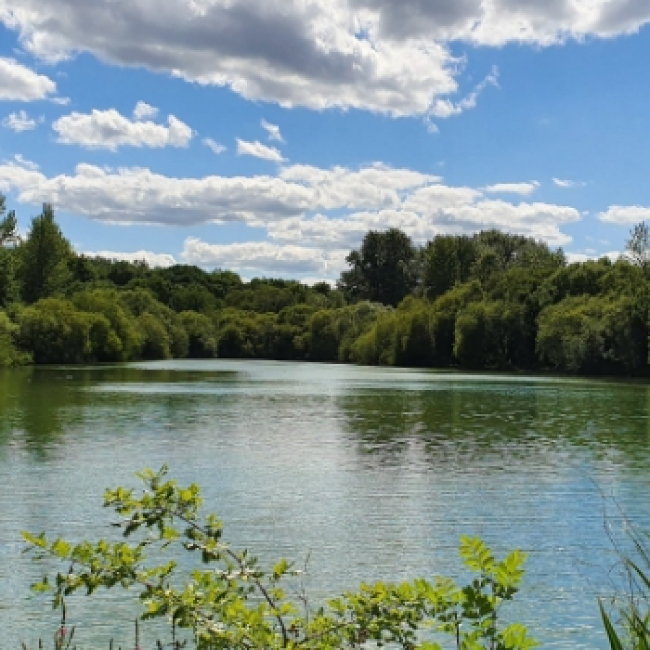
488 301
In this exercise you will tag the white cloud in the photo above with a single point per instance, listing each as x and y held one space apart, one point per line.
513 188
140 196
19 122
538 220
216 147
19 83
264 258
311 215
258 150
379 55
567 184
110 130
319 54
28 164
152 259
625 214
273 131
143 110
374 187
574 258
444 108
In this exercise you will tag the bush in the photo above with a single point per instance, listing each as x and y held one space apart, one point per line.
55 332
9 355
155 339
122 341
202 342
228 601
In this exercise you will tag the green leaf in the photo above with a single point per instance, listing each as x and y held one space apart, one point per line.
614 640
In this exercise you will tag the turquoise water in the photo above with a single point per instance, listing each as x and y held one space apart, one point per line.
372 473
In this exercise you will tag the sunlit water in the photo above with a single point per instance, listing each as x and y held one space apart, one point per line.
373 473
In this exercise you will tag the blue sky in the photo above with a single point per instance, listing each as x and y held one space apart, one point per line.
267 138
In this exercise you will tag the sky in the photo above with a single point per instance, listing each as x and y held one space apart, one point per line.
268 137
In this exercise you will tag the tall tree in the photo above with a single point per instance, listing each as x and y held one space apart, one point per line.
383 269
9 290
448 260
44 258
8 224
637 247
8 238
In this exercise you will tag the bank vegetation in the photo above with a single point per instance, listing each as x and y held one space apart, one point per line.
488 301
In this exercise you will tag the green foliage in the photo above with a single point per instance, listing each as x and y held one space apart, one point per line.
9 354
491 300
156 341
590 334
9 287
324 336
202 341
489 334
8 225
229 601
637 247
55 332
627 618
44 259
122 341
383 270
139 302
449 261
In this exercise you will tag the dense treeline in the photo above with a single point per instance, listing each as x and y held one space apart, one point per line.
488 301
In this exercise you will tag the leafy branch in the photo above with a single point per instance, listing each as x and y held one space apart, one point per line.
232 603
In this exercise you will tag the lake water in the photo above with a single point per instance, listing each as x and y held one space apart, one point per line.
373 473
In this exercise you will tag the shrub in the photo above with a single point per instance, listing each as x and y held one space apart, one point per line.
228 601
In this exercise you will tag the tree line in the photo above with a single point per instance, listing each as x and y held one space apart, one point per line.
488 301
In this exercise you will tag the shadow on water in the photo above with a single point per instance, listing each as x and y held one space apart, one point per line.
515 422
40 407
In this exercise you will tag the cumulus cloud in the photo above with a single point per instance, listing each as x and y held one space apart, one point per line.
292 52
538 220
378 55
273 131
152 259
143 110
513 188
625 214
374 187
110 130
258 150
138 195
312 216
215 146
294 206
19 122
264 257
19 83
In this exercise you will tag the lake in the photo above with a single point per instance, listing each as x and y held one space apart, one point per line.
373 473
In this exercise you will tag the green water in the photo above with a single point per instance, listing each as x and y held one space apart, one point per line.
374 472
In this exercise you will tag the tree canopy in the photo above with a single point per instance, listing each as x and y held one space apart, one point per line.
485 301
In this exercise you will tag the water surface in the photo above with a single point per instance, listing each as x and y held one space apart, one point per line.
374 473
